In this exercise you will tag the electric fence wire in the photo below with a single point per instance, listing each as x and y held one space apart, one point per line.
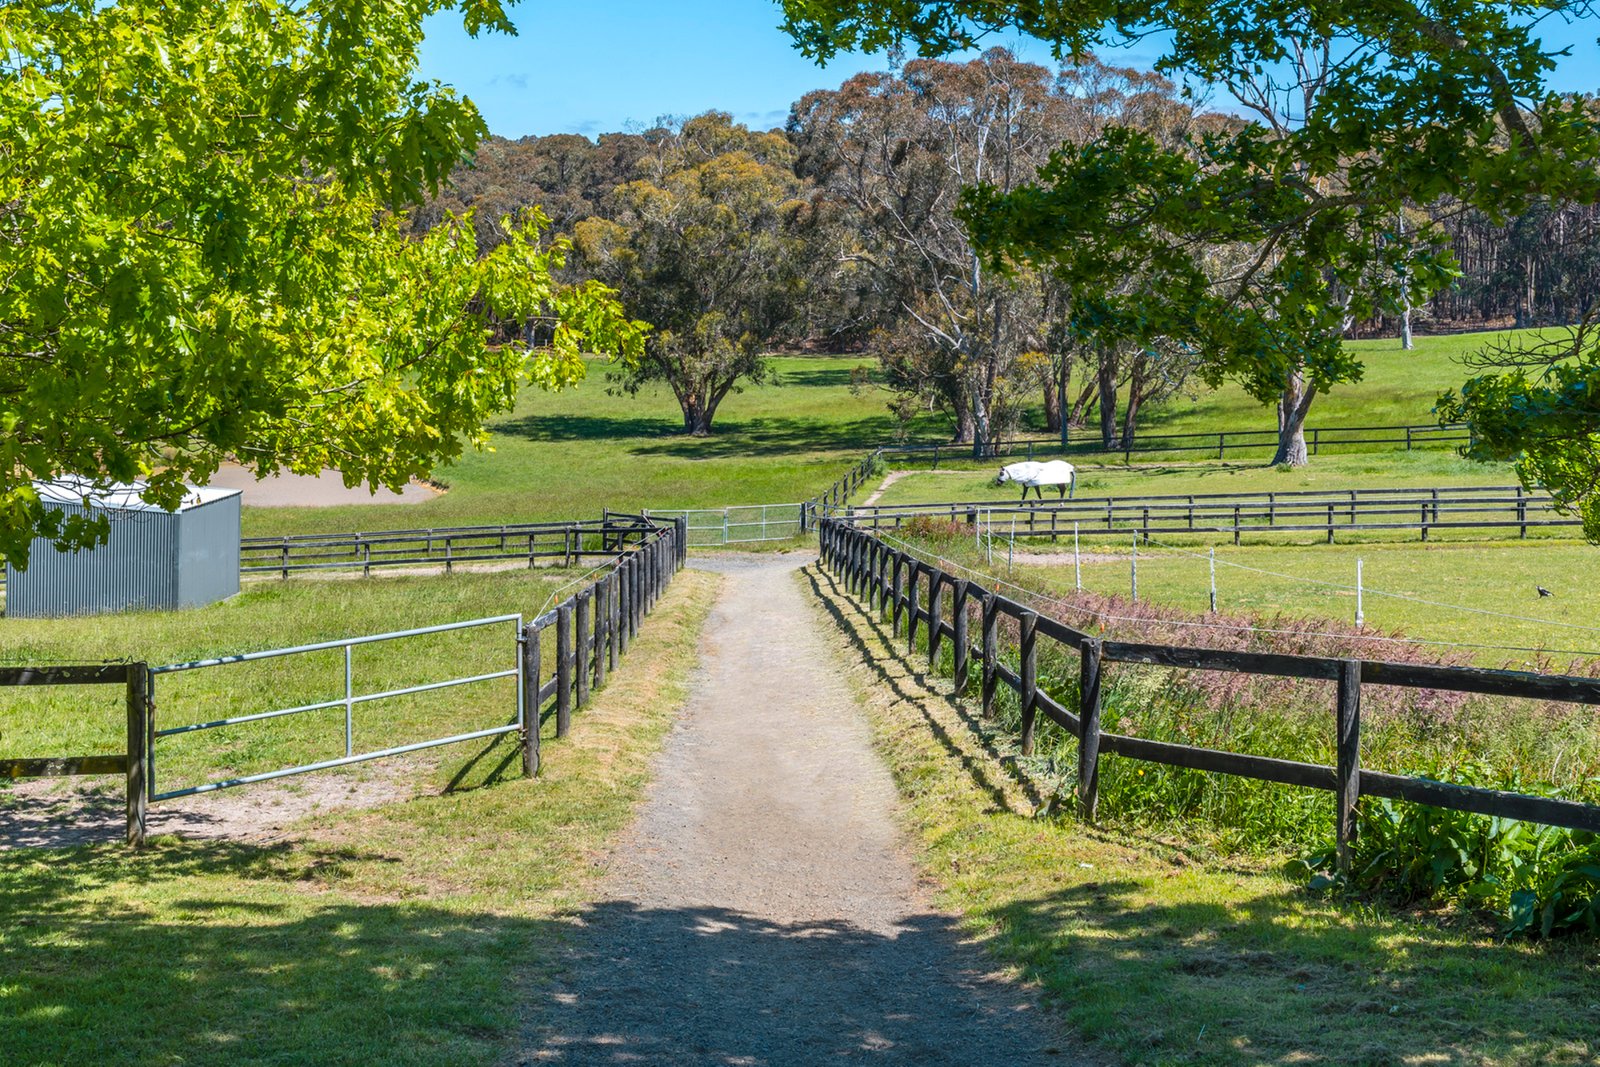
1093 613
1379 592
610 562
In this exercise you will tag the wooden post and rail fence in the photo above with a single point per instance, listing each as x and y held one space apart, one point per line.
891 580
1325 511
1358 438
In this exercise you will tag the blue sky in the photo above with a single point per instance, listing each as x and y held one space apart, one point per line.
596 67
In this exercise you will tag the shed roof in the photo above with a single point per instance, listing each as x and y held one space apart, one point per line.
122 496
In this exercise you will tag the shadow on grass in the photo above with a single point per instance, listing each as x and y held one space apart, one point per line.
1277 977
227 953
764 435
851 622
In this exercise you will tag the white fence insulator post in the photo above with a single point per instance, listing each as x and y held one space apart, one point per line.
1133 568
1361 616
1077 563
1213 562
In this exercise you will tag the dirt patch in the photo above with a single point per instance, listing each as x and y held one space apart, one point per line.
763 909
285 490
64 813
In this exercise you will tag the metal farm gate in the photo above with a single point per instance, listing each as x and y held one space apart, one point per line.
742 523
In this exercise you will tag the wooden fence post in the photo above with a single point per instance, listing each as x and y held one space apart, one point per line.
935 603
636 599
138 702
963 644
1030 678
613 617
582 635
620 612
891 585
1089 726
991 651
913 567
530 700
1348 771
602 599
563 669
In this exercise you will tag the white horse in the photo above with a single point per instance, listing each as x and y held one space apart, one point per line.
1032 475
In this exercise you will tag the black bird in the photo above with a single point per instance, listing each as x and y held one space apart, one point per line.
1543 591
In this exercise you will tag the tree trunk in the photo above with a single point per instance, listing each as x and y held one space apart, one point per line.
1292 408
1080 406
982 443
1136 384
1406 343
1052 407
1106 376
1063 380
696 415
966 426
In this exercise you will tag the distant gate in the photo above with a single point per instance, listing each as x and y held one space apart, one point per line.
742 523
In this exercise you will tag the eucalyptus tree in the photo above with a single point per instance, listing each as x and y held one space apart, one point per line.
896 148
201 255
706 246
1357 110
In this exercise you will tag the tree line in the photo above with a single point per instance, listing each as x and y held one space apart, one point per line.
844 231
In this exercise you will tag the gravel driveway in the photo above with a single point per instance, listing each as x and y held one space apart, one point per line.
763 909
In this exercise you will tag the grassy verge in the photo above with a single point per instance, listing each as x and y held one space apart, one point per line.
415 933
1158 955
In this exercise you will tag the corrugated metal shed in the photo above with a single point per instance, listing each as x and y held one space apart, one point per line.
154 559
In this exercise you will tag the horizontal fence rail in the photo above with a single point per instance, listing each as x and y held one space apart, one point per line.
1359 438
906 587
571 542
349 702
1326 511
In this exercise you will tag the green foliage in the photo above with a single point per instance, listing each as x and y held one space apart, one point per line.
1363 110
202 258
704 248
1540 408
1539 880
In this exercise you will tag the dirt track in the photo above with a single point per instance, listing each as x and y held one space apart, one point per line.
762 909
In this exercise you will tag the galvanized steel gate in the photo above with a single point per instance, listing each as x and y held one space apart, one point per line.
351 699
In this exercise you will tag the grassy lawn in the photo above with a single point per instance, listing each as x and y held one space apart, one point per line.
571 453
1157 952
413 933
1396 388
560 455
1477 592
